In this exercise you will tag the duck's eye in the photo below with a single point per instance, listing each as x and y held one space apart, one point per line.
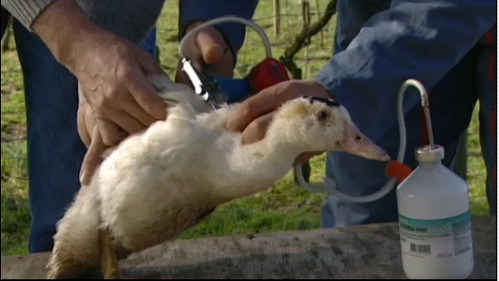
323 115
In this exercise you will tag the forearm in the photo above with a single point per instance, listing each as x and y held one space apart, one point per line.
413 39
59 23
202 10
61 26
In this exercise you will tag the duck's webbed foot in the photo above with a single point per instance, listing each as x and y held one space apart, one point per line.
109 261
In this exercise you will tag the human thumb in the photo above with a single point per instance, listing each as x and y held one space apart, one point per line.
93 157
212 45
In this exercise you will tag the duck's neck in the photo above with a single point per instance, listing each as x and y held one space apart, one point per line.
252 168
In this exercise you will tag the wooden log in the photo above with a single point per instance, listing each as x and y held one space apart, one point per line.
319 15
368 251
277 17
301 41
302 37
306 18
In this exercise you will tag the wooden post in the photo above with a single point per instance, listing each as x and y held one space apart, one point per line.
321 33
277 17
298 74
301 40
306 19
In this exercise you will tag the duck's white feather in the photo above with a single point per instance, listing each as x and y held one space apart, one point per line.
156 184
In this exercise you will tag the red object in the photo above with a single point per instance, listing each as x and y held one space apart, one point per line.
267 73
398 170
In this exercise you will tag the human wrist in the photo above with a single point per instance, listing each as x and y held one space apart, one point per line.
62 26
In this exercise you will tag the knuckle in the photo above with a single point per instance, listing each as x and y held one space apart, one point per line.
110 134
122 49
247 110
101 103
106 140
286 86
289 90
110 140
108 100
113 96
124 72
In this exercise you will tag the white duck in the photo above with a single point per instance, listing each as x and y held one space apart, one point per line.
157 184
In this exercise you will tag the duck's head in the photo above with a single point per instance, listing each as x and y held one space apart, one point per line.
320 124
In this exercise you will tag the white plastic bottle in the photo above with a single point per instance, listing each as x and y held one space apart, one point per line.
435 220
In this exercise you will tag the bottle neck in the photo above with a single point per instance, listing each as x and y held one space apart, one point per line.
430 164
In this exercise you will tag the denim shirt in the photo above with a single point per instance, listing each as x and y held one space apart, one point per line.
382 44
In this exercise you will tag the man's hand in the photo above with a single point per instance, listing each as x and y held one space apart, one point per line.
91 137
209 53
111 70
255 114
116 97
113 76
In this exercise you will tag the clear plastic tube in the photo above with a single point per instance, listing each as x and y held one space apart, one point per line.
226 19
330 186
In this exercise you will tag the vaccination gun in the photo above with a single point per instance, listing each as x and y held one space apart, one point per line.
263 75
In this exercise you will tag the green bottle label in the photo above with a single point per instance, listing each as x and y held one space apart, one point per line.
438 238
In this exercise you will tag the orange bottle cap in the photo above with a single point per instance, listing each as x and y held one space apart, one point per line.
398 170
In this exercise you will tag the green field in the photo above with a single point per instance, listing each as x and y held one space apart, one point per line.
283 207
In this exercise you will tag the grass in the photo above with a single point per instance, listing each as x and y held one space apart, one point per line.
282 207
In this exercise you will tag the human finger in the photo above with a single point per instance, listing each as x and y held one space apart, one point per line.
147 96
211 45
127 123
110 132
129 105
262 103
93 157
81 126
257 129
147 63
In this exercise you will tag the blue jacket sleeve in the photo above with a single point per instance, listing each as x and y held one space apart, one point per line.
420 39
234 33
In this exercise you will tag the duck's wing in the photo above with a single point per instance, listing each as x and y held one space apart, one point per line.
175 93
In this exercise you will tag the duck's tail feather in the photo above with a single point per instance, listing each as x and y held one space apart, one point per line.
76 243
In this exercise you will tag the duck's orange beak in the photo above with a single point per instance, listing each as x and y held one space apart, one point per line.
354 142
